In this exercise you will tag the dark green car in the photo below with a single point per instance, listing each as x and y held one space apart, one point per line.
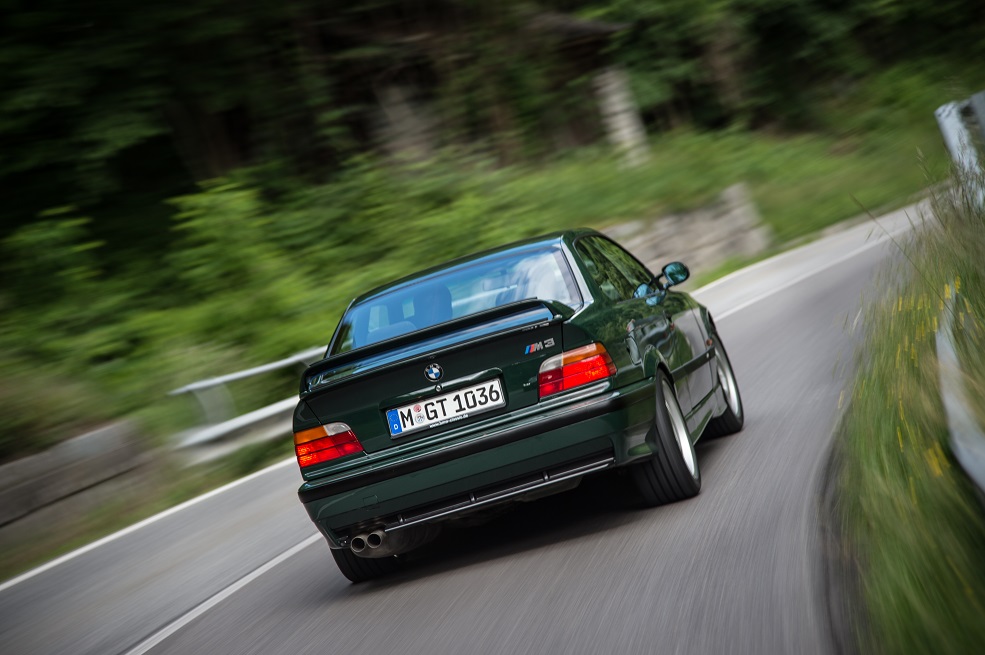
503 376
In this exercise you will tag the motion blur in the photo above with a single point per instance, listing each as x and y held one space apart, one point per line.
194 188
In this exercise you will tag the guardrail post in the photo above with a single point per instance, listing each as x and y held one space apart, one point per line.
216 403
222 432
977 103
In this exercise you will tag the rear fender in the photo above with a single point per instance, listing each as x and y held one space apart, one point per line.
304 418
706 322
654 361
653 366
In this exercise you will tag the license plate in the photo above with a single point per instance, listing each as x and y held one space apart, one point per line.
448 408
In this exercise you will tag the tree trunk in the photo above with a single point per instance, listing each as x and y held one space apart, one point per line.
725 58
620 115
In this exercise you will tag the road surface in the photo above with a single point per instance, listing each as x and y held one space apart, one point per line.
734 570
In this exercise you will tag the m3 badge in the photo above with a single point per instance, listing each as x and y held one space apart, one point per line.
540 345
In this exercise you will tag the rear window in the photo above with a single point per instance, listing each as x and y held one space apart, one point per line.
459 291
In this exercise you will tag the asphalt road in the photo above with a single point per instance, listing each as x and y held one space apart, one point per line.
734 570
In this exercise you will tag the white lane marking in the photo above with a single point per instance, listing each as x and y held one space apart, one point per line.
211 602
136 526
800 278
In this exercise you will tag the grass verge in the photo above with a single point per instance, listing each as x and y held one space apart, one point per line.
911 520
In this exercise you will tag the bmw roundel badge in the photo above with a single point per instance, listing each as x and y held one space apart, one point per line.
433 372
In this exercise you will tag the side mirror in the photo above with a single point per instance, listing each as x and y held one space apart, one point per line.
675 272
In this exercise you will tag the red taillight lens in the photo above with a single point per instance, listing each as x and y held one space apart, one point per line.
575 368
324 443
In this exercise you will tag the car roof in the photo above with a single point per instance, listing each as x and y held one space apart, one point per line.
552 239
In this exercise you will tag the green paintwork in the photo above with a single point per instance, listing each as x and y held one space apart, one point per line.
362 400
529 455
659 328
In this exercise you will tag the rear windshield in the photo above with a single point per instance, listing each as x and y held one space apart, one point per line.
459 291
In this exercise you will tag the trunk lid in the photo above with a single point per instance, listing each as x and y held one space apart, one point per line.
500 349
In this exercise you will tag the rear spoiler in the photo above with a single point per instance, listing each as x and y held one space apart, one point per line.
551 311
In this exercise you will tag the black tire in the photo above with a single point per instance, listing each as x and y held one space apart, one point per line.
672 473
360 569
731 420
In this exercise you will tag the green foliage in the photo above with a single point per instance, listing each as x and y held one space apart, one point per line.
49 260
227 242
720 61
254 271
217 200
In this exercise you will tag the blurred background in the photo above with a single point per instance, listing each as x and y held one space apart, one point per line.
196 187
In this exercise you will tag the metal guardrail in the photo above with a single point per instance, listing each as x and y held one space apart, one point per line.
966 435
222 433
304 357
959 123
962 125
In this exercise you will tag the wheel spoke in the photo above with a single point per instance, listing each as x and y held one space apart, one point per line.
727 380
680 431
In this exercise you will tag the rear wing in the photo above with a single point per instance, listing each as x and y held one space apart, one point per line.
516 316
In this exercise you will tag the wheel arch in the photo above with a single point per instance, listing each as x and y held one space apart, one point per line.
653 362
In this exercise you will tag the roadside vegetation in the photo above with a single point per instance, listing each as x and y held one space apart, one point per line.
249 276
914 528
190 191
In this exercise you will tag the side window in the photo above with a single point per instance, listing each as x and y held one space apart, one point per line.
614 284
632 270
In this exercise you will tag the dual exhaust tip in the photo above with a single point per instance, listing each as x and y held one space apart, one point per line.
380 543
362 543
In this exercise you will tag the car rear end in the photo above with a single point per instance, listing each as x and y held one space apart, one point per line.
445 395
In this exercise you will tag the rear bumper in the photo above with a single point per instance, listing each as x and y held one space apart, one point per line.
606 426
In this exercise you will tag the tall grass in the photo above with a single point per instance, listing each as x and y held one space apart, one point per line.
910 515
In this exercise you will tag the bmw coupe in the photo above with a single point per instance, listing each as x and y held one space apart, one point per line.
505 376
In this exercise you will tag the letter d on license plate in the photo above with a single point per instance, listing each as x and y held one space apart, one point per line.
449 407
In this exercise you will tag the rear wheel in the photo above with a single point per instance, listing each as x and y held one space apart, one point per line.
731 420
360 569
672 473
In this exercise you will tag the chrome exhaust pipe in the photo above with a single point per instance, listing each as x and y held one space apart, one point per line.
380 543
375 539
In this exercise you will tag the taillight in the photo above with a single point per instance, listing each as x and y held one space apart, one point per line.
575 368
324 443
